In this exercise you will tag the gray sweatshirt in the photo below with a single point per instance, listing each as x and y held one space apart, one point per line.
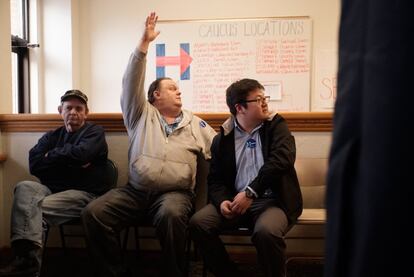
158 162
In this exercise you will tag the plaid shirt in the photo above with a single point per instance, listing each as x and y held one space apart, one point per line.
169 128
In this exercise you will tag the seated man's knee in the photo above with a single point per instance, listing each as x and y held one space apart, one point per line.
173 207
205 221
195 221
267 233
172 213
91 211
28 187
270 224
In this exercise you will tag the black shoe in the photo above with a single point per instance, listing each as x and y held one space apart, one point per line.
229 269
126 273
21 266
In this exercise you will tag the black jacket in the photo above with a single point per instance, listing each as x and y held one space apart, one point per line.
63 169
277 173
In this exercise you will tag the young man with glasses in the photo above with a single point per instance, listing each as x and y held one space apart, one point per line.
252 182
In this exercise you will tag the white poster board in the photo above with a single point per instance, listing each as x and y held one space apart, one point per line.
325 84
206 56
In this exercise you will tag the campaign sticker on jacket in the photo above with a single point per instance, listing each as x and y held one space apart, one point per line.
251 143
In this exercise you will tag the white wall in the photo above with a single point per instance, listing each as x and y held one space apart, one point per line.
109 30
86 44
56 47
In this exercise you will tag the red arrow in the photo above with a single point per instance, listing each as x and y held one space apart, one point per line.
184 60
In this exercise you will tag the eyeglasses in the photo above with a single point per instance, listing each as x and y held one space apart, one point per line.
258 100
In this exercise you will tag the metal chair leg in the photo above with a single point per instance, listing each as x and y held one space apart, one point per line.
137 245
125 241
62 239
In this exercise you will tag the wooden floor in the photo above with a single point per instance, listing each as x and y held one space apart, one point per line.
77 263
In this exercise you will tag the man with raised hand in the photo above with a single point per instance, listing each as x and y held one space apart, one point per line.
165 141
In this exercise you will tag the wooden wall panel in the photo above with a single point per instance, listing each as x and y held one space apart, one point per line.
113 122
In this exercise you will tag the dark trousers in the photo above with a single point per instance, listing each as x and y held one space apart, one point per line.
121 207
270 225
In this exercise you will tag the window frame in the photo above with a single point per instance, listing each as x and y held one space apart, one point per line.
19 45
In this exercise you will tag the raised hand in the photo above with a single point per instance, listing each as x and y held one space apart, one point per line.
149 33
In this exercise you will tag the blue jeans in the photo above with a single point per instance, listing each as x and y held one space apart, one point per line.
34 204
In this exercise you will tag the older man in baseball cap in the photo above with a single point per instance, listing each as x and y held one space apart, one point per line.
69 163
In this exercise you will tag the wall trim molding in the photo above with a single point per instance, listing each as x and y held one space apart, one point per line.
113 122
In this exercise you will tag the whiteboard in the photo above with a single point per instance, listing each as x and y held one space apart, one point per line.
325 80
206 56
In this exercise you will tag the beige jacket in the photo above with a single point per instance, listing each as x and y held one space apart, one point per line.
158 162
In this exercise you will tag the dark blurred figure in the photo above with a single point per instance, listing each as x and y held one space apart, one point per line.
369 178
